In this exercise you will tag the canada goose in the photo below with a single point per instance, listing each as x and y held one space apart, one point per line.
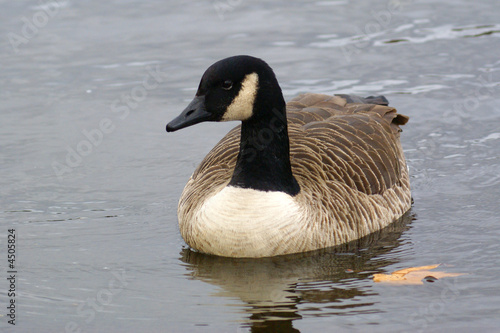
335 174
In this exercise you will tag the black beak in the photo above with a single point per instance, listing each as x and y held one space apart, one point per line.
194 113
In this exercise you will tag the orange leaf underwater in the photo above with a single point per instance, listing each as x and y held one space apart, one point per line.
412 275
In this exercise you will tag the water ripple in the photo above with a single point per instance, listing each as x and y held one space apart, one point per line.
418 35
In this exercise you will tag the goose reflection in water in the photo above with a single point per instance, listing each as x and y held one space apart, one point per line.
279 290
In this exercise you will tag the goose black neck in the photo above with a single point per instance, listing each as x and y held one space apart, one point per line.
264 159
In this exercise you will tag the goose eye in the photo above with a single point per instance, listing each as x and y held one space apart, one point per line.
228 84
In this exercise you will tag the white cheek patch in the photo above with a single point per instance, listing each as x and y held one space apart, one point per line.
242 106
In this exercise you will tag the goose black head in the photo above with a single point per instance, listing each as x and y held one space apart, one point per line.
235 88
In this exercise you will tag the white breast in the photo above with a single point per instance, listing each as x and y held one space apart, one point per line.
242 222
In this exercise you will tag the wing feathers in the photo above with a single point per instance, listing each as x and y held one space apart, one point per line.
355 144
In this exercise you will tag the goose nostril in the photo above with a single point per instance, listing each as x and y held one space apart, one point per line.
190 112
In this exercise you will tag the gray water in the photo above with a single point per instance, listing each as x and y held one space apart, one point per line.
90 180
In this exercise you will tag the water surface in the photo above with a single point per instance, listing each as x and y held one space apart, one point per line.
90 180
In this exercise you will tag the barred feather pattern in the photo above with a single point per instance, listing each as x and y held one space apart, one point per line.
348 161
